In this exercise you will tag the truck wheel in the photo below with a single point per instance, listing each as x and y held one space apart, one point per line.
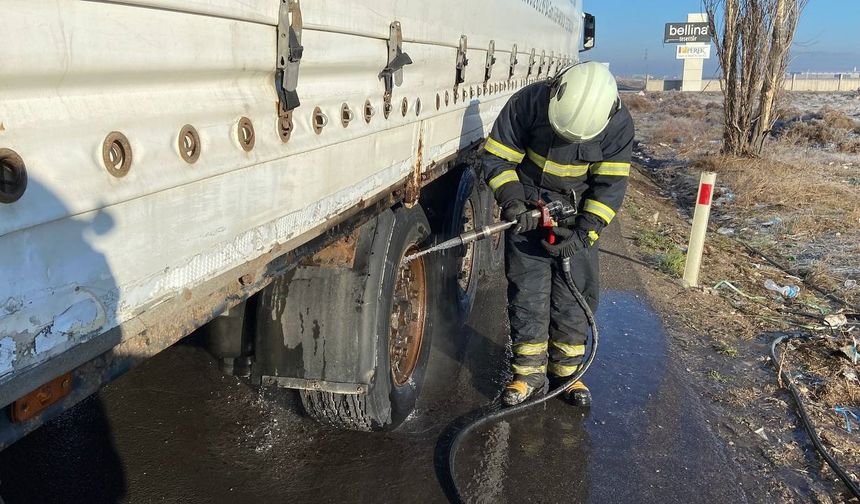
404 315
469 261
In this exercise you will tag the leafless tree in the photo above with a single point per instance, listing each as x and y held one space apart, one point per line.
753 38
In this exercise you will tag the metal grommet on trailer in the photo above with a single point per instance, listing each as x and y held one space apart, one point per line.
245 134
189 144
116 154
346 115
320 120
369 111
285 125
13 176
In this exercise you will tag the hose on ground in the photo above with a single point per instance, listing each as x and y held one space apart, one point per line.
804 417
457 495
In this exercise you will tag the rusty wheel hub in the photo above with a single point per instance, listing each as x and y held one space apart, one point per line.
408 312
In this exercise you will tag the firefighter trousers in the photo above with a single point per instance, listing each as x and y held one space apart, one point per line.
548 327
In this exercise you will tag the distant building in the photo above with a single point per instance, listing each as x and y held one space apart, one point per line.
825 75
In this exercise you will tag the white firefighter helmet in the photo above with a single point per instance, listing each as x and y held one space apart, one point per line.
582 100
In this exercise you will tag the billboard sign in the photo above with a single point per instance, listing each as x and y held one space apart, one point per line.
693 52
682 33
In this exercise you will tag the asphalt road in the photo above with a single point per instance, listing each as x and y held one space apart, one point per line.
177 430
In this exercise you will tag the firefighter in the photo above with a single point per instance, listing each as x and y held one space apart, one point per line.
567 137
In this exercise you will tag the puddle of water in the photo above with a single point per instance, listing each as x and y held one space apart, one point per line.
645 438
183 431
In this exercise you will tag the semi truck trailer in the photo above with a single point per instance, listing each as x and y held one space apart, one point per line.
252 172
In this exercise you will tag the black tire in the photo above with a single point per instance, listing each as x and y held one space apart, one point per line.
466 263
386 403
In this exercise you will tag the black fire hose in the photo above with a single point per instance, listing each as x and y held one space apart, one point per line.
457 496
807 423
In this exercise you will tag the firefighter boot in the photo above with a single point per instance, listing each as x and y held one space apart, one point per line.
578 395
519 390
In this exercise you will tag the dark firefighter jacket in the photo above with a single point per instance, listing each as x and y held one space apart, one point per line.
523 149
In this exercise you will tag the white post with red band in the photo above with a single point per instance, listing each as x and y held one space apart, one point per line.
700 226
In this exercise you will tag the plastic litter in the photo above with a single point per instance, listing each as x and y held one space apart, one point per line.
835 320
729 285
851 352
786 291
726 231
725 198
850 284
848 413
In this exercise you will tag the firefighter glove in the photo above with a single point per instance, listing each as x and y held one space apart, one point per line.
567 242
518 210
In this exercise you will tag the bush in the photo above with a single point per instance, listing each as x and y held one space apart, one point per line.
681 105
836 119
787 113
850 145
637 103
822 133
815 132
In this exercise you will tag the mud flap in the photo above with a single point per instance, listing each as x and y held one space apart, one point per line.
314 326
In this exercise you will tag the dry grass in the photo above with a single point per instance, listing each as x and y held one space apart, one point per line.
672 132
829 127
637 103
787 113
837 119
823 378
775 183
809 203
821 273
681 105
686 135
818 134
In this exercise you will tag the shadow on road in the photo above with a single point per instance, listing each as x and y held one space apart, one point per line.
82 464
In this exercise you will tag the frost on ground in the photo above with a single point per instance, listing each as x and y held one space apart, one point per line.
801 200
798 205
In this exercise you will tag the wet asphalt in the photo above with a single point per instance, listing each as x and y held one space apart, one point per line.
177 430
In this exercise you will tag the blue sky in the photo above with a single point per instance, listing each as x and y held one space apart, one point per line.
827 38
